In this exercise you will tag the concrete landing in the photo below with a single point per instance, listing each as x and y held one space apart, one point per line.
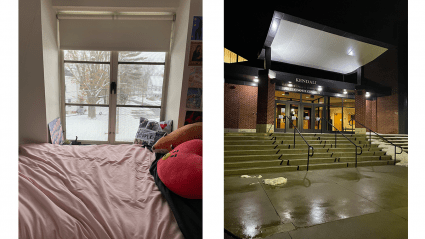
364 202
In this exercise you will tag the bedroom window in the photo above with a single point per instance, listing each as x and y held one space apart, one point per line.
106 93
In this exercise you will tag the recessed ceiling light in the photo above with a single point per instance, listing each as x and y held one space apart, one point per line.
256 80
290 85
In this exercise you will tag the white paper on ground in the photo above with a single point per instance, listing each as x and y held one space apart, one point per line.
275 181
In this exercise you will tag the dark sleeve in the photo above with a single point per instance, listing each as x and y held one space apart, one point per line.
188 212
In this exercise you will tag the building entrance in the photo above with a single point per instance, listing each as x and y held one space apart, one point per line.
304 112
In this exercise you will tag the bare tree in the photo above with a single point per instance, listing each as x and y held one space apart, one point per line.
94 79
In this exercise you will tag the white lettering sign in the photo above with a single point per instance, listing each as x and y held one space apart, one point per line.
313 82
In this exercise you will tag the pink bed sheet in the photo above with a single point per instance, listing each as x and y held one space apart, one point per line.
96 191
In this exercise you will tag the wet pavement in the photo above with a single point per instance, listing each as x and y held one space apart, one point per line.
364 202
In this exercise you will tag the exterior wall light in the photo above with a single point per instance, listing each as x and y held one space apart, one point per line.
256 79
290 85
320 88
367 94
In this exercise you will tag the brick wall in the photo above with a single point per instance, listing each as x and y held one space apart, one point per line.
240 106
387 114
371 114
382 114
360 108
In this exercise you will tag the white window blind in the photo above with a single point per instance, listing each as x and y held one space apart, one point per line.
115 33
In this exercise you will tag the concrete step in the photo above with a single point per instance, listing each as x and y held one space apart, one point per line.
289 142
247 158
285 168
296 162
252 153
285 150
275 147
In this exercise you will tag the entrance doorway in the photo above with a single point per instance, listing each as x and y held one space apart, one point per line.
304 112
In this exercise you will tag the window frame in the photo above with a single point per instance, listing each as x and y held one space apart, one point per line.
112 106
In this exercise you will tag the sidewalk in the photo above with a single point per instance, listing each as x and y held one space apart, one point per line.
364 202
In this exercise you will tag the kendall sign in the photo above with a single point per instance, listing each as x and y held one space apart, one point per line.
313 82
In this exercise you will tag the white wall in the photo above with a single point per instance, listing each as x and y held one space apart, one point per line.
32 110
50 60
178 61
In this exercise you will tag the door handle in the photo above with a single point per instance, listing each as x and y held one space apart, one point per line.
114 87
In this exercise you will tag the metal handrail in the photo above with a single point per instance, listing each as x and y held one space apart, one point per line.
345 137
309 146
370 139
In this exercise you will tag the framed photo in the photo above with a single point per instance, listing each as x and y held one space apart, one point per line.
195 77
195 56
55 130
193 117
194 98
197 28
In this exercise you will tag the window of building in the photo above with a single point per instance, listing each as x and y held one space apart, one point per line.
335 113
349 111
231 57
96 110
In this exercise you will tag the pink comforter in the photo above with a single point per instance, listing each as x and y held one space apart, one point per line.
96 191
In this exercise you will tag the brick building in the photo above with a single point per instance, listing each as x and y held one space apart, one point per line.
308 73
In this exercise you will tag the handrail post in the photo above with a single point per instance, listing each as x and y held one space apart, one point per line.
308 157
356 156
370 138
395 153
294 137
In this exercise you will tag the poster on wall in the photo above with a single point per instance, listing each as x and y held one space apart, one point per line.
197 28
55 130
194 98
195 77
193 117
195 56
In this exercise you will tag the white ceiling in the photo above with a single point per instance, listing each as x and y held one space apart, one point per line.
300 45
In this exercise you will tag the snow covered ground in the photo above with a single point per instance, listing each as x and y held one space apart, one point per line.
137 100
97 129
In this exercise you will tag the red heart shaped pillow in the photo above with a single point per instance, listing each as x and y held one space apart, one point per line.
181 169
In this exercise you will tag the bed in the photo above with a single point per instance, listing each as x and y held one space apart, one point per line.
96 191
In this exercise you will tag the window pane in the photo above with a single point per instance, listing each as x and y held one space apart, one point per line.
319 99
351 103
131 56
87 83
334 101
140 84
349 112
101 56
87 122
291 96
128 119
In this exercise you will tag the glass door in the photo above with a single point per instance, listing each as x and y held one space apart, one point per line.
294 116
280 124
318 117
307 117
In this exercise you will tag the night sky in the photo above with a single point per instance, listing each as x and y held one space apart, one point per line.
246 25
